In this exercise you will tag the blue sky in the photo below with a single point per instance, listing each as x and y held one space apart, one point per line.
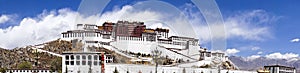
281 25
283 30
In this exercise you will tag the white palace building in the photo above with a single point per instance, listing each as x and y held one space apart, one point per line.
128 38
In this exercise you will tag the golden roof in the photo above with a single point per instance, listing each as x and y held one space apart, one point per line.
100 27
149 31
263 71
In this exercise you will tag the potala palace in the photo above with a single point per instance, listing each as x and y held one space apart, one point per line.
137 49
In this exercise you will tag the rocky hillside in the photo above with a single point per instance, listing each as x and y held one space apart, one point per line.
11 58
257 63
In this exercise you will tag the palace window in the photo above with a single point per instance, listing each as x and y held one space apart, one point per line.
67 57
77 62
95 57
83 62
77 57
83 57
95 62
72 57
67 63
89 57
72 62
89 62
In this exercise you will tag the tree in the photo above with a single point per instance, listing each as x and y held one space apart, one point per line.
25 65
183 71
66 69
60 71
156 54
56 65
90 68
2 70
116 71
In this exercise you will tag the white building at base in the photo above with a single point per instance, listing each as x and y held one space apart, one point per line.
280 69
83 62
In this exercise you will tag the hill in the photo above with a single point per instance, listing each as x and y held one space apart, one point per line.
257 63
12 58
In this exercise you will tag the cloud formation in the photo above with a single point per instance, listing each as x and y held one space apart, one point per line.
278 55
252 57
4 18
30 31
295 40
260 52
232 51
247 25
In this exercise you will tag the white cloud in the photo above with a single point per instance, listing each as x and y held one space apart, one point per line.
293 59
278 55
247 25
252 57
295 40
232 51
4 18
260 52
31 31
288 56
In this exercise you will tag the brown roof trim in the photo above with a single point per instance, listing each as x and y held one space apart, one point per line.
162 30
164 39
279 66
183 37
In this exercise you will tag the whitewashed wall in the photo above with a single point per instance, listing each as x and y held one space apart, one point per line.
146 47
123 68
